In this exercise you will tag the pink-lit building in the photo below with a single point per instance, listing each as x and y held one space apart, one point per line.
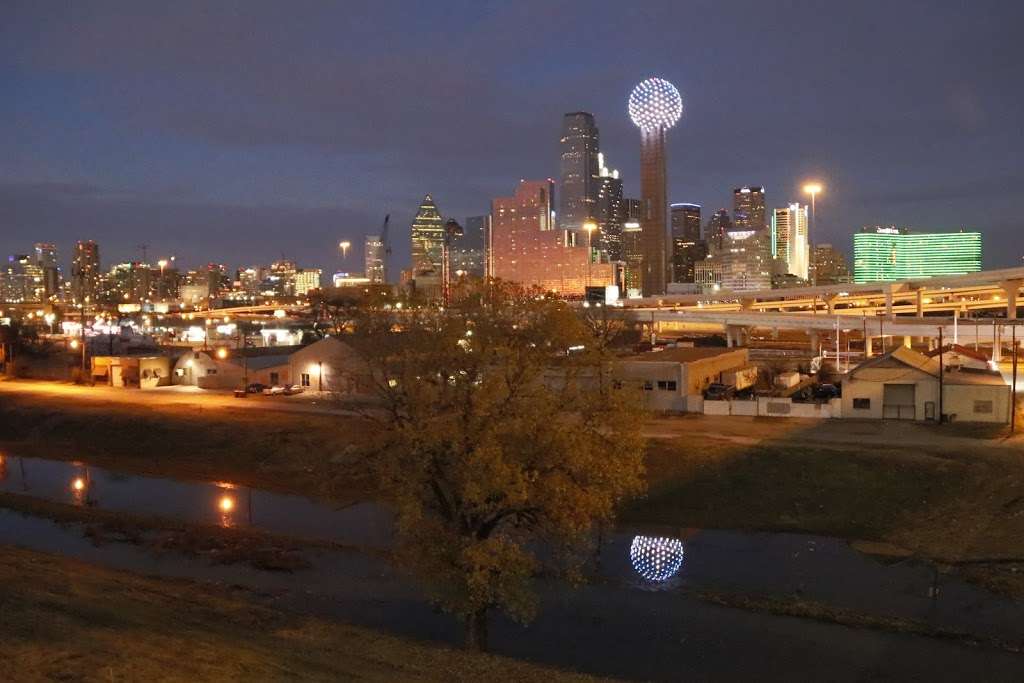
526 246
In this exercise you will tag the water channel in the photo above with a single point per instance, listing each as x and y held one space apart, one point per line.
639 618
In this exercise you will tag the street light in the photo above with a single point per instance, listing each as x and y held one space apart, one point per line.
344 249
590 227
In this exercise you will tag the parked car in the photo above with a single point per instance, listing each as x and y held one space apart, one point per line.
256 388
826 391
293 389
719 392
273 391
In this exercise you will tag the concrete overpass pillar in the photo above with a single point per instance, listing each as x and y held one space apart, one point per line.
813 334
997 343
868 347
919 300
728 337
746 304
908 340
1011 288
888 300
830 302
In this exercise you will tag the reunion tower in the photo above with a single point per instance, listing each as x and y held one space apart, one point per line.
655 106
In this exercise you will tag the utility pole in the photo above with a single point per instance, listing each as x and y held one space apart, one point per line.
941 375
1013 390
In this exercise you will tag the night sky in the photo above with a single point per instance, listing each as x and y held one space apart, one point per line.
240 131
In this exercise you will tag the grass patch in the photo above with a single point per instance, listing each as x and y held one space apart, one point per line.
67 620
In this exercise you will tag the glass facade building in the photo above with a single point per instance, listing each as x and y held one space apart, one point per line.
881 254
580 171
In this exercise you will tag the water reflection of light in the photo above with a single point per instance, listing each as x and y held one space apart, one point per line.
227 504
79 490
656 558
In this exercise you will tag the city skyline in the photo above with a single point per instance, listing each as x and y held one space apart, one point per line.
250 182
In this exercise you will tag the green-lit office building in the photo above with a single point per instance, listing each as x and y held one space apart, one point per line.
891 253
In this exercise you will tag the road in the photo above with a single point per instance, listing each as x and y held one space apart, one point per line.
739 430
174 396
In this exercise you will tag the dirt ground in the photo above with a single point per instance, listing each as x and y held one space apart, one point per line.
67 620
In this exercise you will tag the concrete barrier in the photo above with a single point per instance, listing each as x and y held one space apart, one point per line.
716 408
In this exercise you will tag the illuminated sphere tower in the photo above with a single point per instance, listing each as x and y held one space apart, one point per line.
655 106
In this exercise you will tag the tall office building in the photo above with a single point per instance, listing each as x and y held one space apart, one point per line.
85 271
687 246
654 106
22 280
528 249
789 245
891 253
307 280
633 257
580 171
373 258
828 265
609 212
718 225
746 260
46 259
748 208
469 250
427 240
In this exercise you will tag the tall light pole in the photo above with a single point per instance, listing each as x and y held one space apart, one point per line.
590 227
344 246
812 189
654 107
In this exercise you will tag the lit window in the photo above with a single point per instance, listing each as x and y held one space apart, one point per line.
305 379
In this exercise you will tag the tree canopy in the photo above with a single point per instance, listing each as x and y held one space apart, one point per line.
504 444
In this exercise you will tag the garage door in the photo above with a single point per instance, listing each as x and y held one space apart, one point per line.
898 401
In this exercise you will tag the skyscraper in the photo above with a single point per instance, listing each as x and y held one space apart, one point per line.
528 249
579 171
828 265
687 247
609 212
748 208
46 259
891 253
427 241
654 106
85 271
373 257
469 250
718 225
789 244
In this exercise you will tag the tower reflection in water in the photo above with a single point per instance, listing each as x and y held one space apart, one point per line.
227 505
656 559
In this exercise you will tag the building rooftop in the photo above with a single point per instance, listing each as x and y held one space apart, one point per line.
930 366
682 355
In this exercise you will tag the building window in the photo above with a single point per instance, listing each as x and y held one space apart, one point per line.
305 379
664 385
274 378
983 407
862 404
648 386
211 371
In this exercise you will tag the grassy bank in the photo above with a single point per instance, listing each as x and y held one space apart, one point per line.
963 510
66 620
313 455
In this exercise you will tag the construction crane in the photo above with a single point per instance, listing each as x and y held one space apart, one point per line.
144 248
